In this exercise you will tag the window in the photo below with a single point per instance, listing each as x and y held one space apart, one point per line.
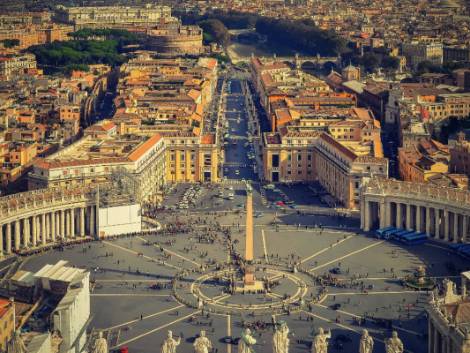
299 157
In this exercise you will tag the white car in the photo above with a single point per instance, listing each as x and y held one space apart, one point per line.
237 172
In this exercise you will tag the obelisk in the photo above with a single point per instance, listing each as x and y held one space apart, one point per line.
249 278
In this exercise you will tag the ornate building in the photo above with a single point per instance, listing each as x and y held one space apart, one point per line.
449 320
442 213
112 16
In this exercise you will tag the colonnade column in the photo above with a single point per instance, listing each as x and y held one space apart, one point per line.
62 224
57 223
92 221
383 213
17 235
446 225
367 217
8 240
43 229
82 222
399 220
464 227
72 223
437 223
428 221
418 219
34 224
408 217
68 217
26 232
388 214
48 226
456 232
53 226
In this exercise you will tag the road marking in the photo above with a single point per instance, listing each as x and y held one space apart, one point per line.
144 318
348 255
173 253
128 295
264 246
331 321
229 333
156 329
379 292
392 278
325 249
130 280
360 317
346 327
144 256
275 295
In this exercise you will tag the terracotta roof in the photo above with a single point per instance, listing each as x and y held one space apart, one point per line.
144 147
346 151
208 139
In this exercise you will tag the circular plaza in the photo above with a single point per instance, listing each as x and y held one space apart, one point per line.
181 279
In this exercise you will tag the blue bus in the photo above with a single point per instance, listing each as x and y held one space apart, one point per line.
401 234
380 233
414 238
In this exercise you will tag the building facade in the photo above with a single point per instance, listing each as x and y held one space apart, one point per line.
112 16
442 213
314 156
94 160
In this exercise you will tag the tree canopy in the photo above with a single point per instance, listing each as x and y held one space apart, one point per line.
301 36
10 43
216 31
60 56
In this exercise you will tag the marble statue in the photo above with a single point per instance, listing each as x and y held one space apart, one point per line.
366 344
394 344
202 344
246 342
320 341
101 344
169 344
281 339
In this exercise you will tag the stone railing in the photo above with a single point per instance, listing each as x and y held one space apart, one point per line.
421 191
14 205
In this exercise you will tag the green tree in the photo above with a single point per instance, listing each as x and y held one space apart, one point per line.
10 43
217 30
390 62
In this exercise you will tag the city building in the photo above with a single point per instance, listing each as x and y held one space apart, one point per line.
426 160
70 286
298 155
440 212
7 322
92 160
112 16
175 38
456 54
16 65
449 319
418 52
460 156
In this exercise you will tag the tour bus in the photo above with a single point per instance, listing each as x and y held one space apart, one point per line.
401 234
414 238
380 233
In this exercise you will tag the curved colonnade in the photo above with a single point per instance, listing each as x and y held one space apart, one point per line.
38 218
442 213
